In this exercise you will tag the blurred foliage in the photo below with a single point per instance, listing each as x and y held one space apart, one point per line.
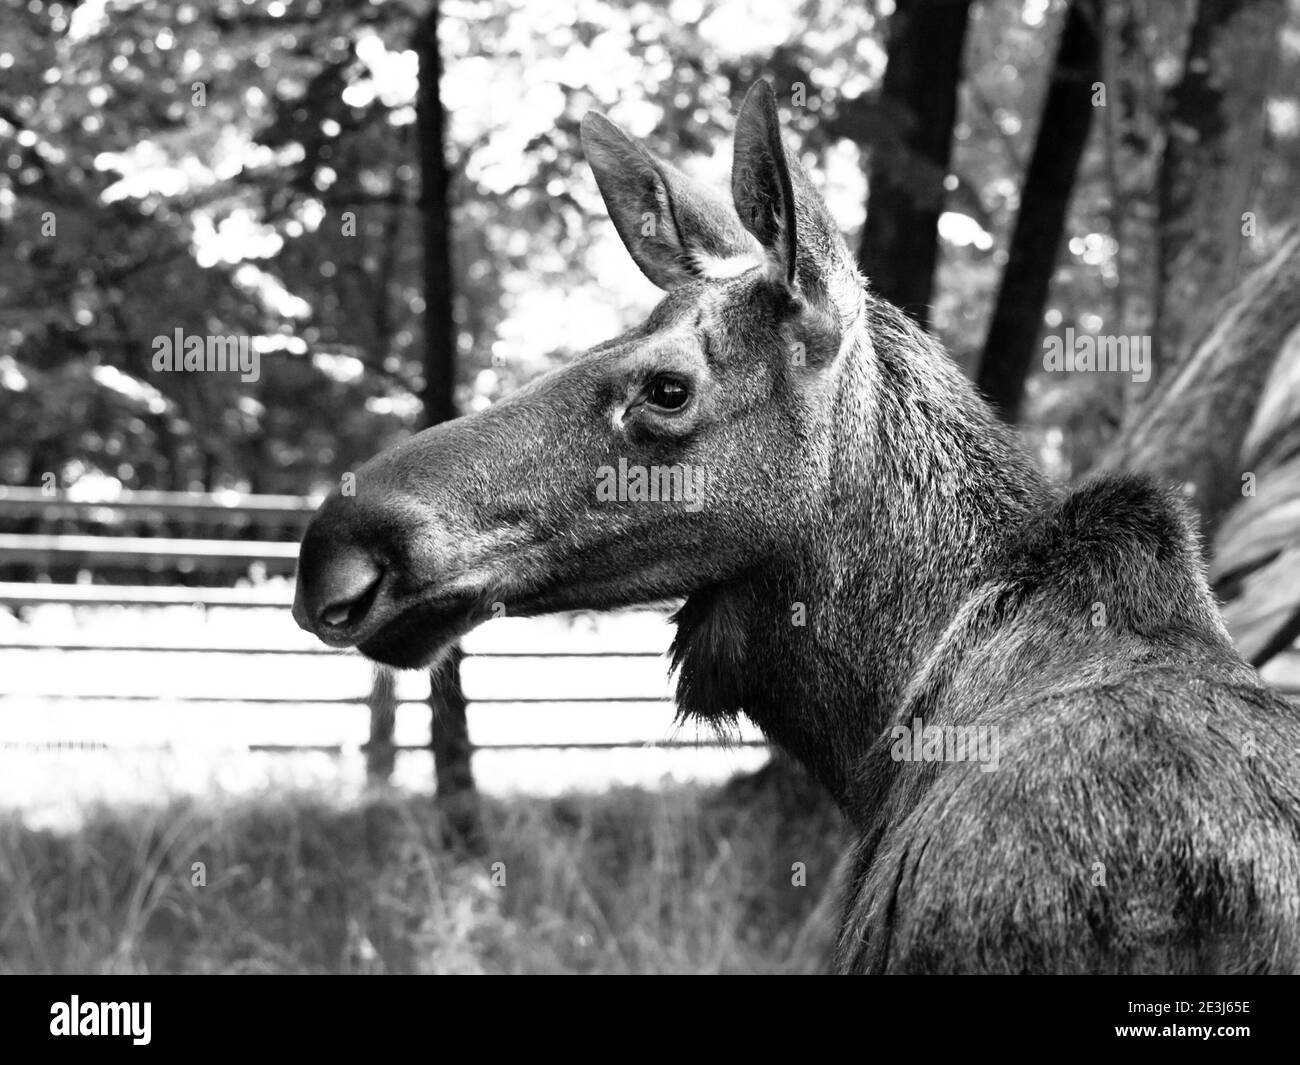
248 168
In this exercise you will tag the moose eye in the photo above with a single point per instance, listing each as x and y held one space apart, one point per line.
670 393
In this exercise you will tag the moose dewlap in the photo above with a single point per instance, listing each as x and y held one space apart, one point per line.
870 551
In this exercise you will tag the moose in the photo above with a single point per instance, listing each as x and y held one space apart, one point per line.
875 553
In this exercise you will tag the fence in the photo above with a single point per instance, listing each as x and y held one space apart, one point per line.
65 549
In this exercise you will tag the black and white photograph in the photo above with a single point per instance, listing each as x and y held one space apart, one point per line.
650 487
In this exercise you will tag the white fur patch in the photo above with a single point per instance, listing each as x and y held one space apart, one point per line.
719 268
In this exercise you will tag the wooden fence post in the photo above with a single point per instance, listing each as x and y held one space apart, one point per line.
381 753
450 743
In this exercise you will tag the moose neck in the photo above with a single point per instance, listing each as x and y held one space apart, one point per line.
924 489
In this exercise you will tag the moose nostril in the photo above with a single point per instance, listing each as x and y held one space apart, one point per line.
337 615
347 587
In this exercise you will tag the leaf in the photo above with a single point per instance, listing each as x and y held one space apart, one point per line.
1256 563
1260 527
1265 618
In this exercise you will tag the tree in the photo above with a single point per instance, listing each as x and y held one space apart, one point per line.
909 163
1013 334
1193 429
1209 170
449 728
1226 424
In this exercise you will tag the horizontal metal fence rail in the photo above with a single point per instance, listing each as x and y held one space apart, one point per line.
331 700
22 594
172 506
117 552
229 649
338 749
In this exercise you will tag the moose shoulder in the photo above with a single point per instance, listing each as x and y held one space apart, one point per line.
1025 700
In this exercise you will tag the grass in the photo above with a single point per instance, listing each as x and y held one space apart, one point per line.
685 879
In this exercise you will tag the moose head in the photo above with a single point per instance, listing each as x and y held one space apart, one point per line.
667 461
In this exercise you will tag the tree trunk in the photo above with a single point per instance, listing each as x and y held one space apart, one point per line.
449 738
439 394
1227 425
1012 342
1192 430
918 99
449 727
1210 166
381 752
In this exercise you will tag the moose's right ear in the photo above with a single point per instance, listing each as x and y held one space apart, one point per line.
675 229
779 204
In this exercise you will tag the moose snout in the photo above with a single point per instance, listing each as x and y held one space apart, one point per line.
336 588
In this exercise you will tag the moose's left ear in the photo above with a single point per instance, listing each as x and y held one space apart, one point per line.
675 229
778 203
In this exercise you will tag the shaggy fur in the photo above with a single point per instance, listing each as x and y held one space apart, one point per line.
1144 814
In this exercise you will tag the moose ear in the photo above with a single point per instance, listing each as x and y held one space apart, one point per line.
778 203
760 181
675 229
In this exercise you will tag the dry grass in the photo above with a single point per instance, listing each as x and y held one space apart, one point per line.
681 880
